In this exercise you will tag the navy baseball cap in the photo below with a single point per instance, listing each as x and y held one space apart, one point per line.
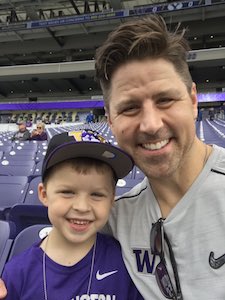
86 143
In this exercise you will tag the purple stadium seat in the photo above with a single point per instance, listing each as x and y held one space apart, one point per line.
12 191
7 234
26 145
31 196
30 163
25 215
126 184
5 148
16 170
20 155
38 168
27 237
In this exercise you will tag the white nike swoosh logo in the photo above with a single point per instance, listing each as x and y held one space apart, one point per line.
104 275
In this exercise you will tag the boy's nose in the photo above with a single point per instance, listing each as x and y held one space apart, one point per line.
81 203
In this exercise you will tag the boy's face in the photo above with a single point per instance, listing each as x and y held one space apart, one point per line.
78 204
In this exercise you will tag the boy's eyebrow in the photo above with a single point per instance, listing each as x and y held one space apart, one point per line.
64 185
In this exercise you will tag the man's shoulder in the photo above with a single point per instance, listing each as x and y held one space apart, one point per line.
134 194
218 159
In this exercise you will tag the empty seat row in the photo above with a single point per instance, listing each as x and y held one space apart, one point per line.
20 167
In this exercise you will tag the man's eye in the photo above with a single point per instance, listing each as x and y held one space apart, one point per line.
165 101
129 110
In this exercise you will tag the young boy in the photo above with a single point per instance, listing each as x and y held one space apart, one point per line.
75 261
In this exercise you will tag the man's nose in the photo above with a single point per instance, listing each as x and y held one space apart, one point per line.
151 119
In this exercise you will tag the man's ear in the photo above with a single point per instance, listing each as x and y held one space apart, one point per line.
108 117
42 194
194 100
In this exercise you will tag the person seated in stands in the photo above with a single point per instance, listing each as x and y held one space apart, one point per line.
90 117
39 134
23 134
29 123
75 261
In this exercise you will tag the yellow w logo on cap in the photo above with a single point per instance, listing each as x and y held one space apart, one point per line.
76 134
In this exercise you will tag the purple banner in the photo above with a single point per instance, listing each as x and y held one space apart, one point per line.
52 105
211 97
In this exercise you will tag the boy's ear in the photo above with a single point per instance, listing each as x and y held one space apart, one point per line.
42 194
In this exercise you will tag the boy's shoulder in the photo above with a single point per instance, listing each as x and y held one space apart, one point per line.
108 241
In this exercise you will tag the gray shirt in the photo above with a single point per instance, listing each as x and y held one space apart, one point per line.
195 228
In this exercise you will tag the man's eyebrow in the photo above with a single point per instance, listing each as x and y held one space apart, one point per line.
125 103
166 93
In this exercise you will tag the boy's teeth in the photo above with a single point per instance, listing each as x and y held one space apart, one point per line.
156 146
79 222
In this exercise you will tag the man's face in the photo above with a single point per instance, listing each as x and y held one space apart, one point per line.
152 115
22 127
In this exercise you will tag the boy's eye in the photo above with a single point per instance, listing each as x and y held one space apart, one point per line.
66 192
97 194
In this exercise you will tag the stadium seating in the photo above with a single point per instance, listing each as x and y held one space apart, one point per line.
11 162
25 215
126 184
38 168
31 196
27 237
5 148
12 191
16 170
7 235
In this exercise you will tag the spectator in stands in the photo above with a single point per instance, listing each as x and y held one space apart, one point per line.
74 260
211 114
175 217
90 117
22 134
39 134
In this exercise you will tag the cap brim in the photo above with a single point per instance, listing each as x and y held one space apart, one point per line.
118 160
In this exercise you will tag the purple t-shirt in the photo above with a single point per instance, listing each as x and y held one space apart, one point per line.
23 276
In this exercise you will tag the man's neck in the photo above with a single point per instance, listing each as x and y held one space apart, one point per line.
170 190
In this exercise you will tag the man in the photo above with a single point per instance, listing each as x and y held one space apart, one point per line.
170 226
22 134
151 104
